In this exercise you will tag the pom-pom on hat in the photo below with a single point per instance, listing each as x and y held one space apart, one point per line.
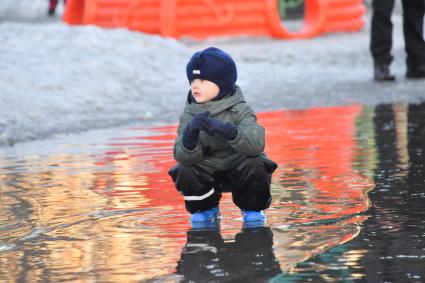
214 65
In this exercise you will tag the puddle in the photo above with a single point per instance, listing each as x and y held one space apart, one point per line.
101 207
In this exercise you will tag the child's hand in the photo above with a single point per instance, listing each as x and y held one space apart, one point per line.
227 130
199 122
191 132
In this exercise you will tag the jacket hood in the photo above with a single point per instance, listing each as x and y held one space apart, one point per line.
215 107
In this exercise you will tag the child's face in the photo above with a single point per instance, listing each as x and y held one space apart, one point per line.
204 90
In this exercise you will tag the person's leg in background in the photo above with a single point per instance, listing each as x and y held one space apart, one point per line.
413 21
381 39
52 7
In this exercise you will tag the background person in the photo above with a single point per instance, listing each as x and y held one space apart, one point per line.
381 38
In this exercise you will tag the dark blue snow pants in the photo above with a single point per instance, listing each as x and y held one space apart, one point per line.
248 181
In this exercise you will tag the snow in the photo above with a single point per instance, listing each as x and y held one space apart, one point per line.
57 79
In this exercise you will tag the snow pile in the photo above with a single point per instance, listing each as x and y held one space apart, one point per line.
58 79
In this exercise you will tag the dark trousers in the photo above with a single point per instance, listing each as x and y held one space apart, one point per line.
248 180
381 33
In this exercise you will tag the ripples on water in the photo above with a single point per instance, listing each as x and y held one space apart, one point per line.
347 205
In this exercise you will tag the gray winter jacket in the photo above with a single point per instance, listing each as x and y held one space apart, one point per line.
215 152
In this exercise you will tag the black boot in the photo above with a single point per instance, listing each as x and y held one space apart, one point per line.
382 73
416 72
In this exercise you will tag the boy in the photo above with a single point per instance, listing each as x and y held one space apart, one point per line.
219 147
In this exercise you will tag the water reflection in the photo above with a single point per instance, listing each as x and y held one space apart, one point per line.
208 257
390 246
316 180
104 209
89 217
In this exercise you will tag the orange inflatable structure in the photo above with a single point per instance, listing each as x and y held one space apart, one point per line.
204 18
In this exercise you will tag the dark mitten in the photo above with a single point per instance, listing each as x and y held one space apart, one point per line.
191 132
227 130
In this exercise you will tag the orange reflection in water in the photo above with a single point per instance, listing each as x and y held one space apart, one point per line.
316 149
315 187
140 177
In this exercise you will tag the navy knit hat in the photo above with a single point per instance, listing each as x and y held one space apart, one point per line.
214 65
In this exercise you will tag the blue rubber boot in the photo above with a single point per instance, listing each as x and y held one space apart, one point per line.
205 216
253 218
